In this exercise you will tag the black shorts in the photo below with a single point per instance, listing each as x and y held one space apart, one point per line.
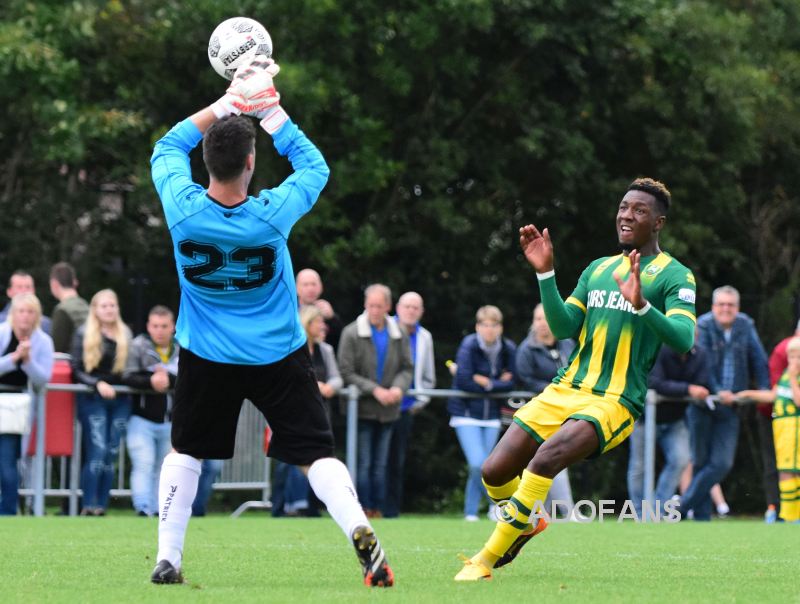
209 396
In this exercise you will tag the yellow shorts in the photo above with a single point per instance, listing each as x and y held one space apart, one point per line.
786 433
543 415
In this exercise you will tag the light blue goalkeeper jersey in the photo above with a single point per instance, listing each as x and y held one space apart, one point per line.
238 298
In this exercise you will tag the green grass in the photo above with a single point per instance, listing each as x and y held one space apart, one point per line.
260 559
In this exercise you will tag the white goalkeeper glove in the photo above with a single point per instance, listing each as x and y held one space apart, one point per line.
252 92
227 104
256 86
224 106
253 85
251 89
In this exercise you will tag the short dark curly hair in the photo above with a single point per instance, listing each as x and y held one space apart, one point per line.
655 188
226 145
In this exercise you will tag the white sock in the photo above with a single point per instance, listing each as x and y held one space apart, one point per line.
177 488
331 482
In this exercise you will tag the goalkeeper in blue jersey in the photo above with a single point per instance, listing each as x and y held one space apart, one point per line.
238 325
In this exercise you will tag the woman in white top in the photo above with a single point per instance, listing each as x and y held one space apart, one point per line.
26 357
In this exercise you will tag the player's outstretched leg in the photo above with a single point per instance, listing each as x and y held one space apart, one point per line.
501 496
574 440
533 529
332 484
513 528
177 489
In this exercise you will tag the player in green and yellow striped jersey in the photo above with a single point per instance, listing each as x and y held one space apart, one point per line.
623 308
785 430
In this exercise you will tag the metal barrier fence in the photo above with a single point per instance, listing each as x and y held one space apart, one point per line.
652 399
250 468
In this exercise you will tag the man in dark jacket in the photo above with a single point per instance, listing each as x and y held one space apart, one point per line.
674 377
152 365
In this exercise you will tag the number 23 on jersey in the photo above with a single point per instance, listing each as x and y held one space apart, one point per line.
259 263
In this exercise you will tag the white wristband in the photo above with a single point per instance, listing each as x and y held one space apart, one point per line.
547 275
274 119
643 310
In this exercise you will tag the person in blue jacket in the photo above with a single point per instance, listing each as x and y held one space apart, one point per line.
736 359
485 363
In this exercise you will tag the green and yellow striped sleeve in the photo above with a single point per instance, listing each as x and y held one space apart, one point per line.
564 317
676 330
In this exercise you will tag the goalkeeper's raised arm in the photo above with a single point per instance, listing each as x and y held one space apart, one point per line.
252 92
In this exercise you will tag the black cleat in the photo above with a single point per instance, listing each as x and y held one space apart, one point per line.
377 572
165 573
516 547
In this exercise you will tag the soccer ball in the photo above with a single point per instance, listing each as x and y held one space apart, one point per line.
236 41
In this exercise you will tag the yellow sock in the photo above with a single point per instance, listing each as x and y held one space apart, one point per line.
504 491
532 489
796 502
789 501
795 505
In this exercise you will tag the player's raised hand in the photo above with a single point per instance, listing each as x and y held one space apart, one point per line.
251 91
252 87
537 247
253 83
631 287
268 64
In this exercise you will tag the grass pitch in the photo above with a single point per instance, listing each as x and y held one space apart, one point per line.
260 559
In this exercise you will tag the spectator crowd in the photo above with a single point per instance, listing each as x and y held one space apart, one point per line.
387 354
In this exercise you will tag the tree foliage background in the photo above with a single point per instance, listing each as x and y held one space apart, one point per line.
447 125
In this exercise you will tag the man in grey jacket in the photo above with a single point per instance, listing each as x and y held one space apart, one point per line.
374 355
